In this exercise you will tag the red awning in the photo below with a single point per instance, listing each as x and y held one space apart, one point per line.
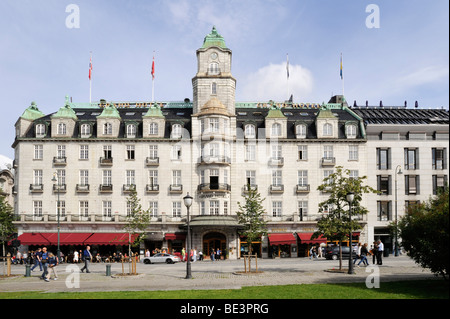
109 239
175 236
34 239
39 239
305 238
282 239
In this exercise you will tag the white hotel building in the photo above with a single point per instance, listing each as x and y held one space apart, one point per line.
211 147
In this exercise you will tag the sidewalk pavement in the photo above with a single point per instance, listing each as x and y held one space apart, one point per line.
211 275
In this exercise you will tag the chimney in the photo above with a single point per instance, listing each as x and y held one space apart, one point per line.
416 105
406 104
381 103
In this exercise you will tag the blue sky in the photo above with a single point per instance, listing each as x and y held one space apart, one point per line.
42 60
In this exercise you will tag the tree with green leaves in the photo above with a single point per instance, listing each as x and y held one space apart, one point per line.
251 216
7 228
424 233
335 223
138 219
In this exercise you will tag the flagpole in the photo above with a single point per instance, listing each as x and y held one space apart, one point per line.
153 78
287 70
90 78
342 75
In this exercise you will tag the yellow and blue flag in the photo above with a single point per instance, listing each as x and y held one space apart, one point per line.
341 67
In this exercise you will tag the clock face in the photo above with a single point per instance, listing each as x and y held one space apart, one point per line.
214 55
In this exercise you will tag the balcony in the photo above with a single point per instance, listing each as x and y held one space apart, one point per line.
106 161
37 188
276 189
59 161
152 188
81 188
128 188
106 188
211 187
59 188
302 189
175 189
276 161
328 161
215 160
152 161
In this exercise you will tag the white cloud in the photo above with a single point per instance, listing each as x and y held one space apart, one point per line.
270 83
425 75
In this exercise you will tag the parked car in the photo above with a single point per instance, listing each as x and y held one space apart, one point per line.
333 252
161 258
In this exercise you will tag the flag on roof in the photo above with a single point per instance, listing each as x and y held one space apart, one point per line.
287 65
341 67
90 67
153 68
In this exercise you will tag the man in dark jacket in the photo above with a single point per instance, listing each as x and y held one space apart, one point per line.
87 257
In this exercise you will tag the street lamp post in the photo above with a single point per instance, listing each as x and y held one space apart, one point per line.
188 202
398 171
58 207
350 196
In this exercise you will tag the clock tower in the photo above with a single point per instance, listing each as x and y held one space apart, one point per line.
213 80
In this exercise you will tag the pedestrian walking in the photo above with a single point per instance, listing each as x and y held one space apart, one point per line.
374 251
52 263
364 253
183 254
75 256
37 259
44 261
86 257
357 254
212 254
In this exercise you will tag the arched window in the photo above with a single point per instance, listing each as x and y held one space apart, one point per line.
153 129
327 129
176 131
276 129
85 130
350 131
300 130
107 129
131 130
213 68
62 129
250 131
40 130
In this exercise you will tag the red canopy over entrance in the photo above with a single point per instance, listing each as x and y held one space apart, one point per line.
41 239
175 236
282 239
305 238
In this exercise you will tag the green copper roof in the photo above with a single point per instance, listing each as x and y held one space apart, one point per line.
154 111
274 112
32 112
214 39
66 111
326 113
109 111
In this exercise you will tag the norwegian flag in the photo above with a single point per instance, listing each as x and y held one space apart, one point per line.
153 68
90 68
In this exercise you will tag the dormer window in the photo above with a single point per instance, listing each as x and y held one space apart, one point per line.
153 129
131 130
40 130
300 130
62 129
350 131
176 131
85 130
276 129
107 129
327 129
213 68
250 131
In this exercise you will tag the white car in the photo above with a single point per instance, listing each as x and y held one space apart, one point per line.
161 258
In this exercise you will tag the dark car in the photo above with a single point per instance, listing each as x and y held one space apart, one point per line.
333 252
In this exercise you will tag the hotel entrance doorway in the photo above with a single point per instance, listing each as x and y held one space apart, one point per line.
212 241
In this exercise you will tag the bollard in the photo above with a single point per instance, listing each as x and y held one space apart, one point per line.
108 270
27 270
